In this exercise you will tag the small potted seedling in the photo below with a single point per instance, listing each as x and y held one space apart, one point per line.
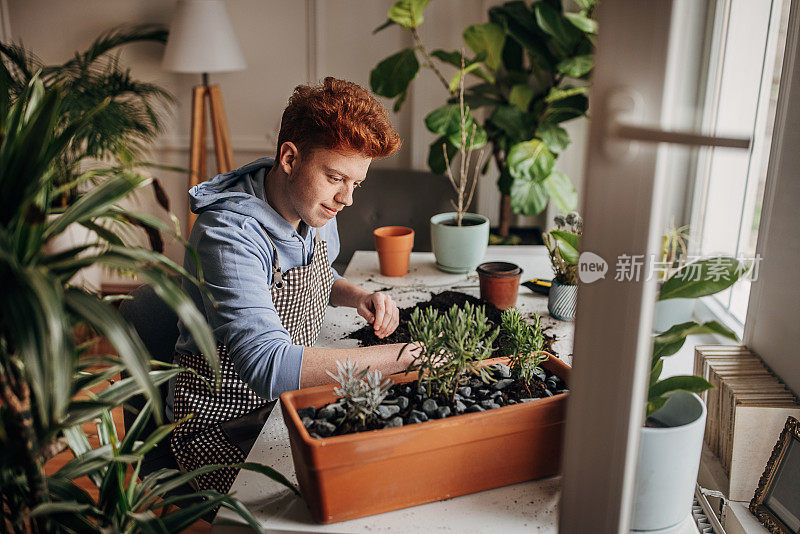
563 245
364 446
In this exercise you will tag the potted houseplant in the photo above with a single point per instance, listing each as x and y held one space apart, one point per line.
528 69
459 239
433 433
48 381
563 245
674 254
672 438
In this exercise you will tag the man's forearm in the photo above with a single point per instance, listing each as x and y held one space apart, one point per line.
344 293
382 357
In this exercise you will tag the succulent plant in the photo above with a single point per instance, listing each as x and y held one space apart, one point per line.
361 391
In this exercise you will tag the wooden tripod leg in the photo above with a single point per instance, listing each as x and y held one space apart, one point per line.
219 125
197 149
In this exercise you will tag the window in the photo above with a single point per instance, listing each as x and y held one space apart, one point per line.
741 90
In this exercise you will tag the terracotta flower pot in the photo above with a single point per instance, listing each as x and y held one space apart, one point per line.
367 473
499 282
394 244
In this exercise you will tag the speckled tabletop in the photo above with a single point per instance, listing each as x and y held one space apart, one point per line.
521 507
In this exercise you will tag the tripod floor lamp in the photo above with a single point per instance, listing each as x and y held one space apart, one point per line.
202 41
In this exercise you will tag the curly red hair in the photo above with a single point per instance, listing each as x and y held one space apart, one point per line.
338 115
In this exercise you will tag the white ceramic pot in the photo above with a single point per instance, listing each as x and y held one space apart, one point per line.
667 466
459 249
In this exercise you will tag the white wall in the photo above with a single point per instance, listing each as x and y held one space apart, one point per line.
285 43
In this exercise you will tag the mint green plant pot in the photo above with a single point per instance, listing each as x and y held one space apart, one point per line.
459 249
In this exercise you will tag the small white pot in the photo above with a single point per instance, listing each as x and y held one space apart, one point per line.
667 466
562 300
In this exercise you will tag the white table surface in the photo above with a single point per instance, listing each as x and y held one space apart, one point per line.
519 508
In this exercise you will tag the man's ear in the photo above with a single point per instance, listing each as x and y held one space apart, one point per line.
288 157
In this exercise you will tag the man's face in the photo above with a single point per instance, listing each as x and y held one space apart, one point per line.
321 184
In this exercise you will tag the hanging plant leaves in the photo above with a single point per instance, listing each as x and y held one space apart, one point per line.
391 76
487 40
408 13
531 161
436 160
561 191
528 197
554 136
577 66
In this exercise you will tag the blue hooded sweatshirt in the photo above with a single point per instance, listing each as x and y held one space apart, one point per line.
237 259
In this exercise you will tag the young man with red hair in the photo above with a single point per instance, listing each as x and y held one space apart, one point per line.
266 237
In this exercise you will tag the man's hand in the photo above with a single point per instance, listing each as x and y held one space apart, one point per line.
380 310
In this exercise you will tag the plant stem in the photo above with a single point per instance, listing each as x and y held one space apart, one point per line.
428 60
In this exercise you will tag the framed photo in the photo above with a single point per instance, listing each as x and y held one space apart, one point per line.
776 502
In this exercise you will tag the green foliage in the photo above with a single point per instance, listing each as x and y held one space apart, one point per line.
526 342
126 114
564 245
450 346
45 375
362 391
697 279
525 63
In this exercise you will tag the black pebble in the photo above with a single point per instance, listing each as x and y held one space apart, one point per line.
309 412
429 407
442 412
474 408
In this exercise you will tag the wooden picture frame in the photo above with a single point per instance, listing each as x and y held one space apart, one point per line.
776 502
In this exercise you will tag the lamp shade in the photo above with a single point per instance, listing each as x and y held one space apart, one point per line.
201 39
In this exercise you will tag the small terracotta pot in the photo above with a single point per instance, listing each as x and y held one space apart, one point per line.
394 244
367 473
500 283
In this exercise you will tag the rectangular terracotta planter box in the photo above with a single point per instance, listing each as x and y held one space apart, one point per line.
356 475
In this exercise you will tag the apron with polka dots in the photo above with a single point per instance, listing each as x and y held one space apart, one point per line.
226 421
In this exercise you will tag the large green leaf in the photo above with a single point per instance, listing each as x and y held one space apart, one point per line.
569 245
531 161
691 383
669 342
582 22
561 191
576 66
702 278
560 93
521 96
516 125
556 137
446 121
528 197
486 40
407 13
565 109
436 160
565 37
391 77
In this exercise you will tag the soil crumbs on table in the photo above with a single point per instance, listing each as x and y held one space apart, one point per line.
441 301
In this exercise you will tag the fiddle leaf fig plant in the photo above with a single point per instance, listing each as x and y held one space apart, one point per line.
697 279
451 344
527 71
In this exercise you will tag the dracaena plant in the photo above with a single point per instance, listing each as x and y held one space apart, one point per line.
451 346
525 342
48 379
361 391
527 69
697 279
